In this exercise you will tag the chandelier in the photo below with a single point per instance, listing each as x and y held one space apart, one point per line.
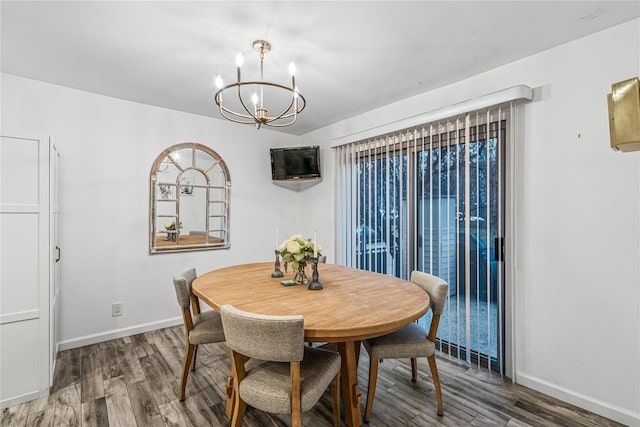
286 100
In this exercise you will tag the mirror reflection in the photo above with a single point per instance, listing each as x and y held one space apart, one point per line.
190 194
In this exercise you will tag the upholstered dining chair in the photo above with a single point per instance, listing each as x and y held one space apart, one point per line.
291 378
199 327
412 341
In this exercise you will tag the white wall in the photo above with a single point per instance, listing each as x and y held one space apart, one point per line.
108 146
577 289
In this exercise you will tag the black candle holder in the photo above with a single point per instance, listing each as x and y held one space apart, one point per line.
277 273
315 284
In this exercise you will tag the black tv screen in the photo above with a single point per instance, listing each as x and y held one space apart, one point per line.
295 163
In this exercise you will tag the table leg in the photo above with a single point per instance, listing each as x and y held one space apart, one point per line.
351 397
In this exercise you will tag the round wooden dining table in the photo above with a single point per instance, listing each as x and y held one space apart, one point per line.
353 305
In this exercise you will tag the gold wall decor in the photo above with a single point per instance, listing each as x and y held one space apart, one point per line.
624 115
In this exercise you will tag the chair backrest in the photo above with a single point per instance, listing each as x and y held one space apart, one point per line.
264 337
322 259
182 283
437 289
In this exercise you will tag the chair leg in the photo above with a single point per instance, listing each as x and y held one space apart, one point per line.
193 362
296 419
414 369
188 357
231 396
238 373
296 404
436 382
335 397
371 389
239 408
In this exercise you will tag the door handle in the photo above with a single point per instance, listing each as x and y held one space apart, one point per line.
498 249
59 253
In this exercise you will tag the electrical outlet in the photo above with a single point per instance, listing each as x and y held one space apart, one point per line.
117 309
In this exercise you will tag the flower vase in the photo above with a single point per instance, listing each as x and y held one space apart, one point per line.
300 276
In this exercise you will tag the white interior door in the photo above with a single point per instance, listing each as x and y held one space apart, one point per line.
24 268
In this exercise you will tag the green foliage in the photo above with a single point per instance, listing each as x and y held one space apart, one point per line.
297 249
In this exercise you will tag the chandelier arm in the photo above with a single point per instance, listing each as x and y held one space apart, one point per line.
286 115
218 100
281 125
243 104
257 83
224 109
251 118
234 113
233 119
294 115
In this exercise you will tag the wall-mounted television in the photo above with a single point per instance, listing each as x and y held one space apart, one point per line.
295 163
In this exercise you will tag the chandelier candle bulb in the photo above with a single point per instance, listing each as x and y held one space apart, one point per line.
261 94
254 99
219 85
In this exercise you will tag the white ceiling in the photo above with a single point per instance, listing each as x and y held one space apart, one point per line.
351 57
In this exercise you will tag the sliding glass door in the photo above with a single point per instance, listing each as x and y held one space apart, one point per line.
431 199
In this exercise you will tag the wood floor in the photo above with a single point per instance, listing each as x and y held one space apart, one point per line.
133 381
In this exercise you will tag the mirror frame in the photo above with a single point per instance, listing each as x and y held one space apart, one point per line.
190 243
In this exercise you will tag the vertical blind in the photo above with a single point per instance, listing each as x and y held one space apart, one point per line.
430 198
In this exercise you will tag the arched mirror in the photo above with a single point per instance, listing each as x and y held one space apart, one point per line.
190 194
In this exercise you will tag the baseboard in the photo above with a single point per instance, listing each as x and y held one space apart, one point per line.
23 398
605 409
117 333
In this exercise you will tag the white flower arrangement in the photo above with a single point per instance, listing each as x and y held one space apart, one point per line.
171 226
297 249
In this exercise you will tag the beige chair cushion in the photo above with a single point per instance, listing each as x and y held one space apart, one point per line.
207 328
182 284
410 341
268 386
275 338
436 287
